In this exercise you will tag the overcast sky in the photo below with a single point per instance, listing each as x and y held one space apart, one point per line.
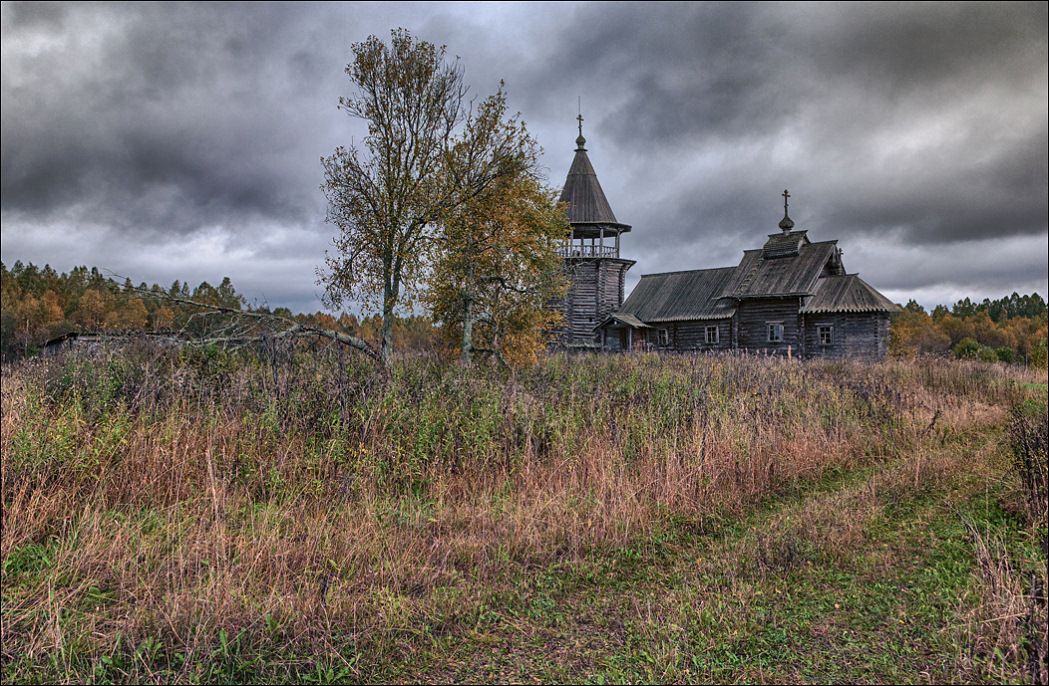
168 141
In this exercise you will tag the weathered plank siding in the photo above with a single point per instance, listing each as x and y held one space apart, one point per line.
754 316
693 335
859 335
813 347
596 290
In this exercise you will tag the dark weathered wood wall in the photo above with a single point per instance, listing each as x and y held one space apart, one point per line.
861 335
858 335
839 335
753 317
692 335
596 290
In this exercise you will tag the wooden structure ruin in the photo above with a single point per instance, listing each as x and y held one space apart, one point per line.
790 297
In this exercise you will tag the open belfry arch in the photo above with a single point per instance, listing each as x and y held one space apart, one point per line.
596 272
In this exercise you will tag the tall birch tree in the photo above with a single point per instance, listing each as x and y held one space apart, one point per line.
427 153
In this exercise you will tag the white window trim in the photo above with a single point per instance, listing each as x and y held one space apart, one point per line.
772 329
716 337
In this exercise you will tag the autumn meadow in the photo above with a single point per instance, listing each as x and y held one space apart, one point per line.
288 514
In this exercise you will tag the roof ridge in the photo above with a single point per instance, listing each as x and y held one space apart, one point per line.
686 271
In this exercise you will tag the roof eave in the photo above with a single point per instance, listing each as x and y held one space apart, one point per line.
844 310
693 318
778 296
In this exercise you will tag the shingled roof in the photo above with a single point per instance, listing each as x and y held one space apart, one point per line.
847 293
677 296
784 244
758 276
588 208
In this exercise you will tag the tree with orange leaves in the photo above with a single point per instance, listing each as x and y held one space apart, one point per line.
497 271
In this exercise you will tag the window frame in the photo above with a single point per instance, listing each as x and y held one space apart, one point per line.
712 340
774 332
825 330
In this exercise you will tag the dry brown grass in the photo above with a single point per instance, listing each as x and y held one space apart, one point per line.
249 502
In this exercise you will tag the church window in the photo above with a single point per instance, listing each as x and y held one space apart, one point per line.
775 332
711 335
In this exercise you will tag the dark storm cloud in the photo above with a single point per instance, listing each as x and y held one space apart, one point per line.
1001 196
185 139
928 121
172 120
891 47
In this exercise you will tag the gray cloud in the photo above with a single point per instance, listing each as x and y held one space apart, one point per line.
164 129
911 119
893 125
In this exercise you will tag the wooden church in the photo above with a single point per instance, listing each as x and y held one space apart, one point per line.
791 296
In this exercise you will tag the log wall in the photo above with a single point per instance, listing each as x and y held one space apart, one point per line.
595 291
692 335
863 335
754 316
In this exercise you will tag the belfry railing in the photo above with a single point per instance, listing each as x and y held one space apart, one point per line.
584 250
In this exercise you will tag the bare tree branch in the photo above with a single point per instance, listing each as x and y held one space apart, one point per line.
253 326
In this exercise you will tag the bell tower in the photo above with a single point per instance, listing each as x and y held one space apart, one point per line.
596 273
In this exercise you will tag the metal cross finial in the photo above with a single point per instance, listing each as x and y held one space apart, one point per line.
580 118
786 223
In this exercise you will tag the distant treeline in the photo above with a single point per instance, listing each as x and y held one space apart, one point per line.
39 305
1012 329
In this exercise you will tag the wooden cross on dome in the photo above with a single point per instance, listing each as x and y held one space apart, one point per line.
786 224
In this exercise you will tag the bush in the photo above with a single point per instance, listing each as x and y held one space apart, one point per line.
987 354
1007 355
971 349
967 349
1040 357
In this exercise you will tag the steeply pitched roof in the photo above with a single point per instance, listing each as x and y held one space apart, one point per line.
847 294
677 296
758 276
587 203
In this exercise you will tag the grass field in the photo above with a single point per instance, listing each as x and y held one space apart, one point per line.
201 516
